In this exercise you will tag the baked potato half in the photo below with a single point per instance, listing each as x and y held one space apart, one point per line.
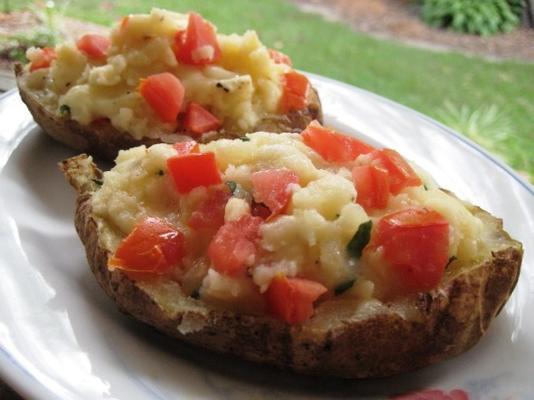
347 336
147 83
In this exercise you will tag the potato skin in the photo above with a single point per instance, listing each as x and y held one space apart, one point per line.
103 141
453 317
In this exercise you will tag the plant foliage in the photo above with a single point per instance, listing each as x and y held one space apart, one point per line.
480 17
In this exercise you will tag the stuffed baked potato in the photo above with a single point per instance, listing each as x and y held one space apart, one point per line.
334 260
162 77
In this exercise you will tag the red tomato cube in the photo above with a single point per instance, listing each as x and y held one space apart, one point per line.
198 120
415 244
272 188
164 93
295 94
291 299
234 245
153 247
94 46
401 174
193 170
210 213
372 186
46 56
333 146
198 44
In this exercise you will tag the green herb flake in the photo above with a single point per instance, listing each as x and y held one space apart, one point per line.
426 187
360 239
64 110
232 186
244 139
343 287
98 182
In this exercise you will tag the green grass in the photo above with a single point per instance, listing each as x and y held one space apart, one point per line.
427 81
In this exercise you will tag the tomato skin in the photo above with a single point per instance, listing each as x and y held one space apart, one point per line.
372 186
192 170
295 94
94 46
164 93
415 245
291 299
271 187
48 54
401 174
210 213
183 148
333 146
198 120
234 245
280 58
152 247
188 44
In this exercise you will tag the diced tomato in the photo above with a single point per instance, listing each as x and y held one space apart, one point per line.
45 58
193 170
152 247
333 146
183 148
164 93
234 245
415 244
435 394
372 186
279 57
94 46
198 45
291 299
198 120
295 94
271 187
401 174
210 213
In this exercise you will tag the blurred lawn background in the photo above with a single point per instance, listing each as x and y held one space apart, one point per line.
492 102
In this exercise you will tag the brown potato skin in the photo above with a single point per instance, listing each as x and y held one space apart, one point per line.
454 316
103 141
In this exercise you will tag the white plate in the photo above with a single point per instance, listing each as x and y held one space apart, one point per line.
62 338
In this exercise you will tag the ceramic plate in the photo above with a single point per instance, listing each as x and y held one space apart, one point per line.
62 338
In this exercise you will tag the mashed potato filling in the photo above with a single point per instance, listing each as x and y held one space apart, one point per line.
240 89
309 239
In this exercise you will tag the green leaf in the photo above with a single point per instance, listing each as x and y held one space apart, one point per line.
360 239
232 186
343 287
64 110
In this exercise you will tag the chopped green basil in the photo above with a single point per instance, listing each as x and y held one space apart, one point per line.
360 239
98 182
426 187
343 287
244 139
232 186
64 110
